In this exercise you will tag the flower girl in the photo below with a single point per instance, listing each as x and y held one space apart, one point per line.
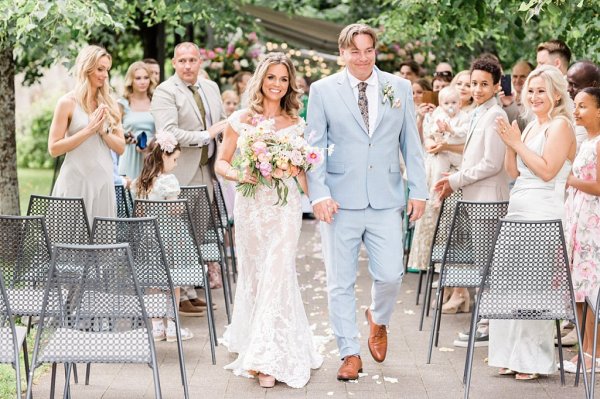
156 183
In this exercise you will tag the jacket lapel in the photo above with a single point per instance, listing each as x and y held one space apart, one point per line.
381 107
486 106
347 95
187 93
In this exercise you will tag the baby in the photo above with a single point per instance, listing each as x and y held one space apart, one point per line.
447 124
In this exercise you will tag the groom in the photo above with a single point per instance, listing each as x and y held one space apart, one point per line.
358 193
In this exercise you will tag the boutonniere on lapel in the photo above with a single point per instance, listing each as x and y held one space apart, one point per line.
388 95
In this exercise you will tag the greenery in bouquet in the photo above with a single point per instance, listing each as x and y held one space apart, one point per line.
272 156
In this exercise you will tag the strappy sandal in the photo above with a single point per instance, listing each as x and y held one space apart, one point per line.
505 371
526 377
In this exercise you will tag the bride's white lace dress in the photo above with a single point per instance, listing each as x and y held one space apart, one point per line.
269 330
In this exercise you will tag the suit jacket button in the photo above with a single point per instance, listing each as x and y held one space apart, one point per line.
370 166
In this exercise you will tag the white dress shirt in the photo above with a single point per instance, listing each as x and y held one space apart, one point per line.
372 95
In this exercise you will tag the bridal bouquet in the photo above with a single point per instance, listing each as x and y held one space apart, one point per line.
272 156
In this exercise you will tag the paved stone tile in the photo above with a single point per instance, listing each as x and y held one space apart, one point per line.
406 364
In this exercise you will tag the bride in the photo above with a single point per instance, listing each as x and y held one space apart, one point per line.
269 330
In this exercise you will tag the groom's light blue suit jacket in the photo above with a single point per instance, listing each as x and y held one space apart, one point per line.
364 170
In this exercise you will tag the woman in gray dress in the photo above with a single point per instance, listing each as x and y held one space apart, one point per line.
85 127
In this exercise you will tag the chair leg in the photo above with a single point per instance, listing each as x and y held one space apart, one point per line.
594 354
211 320
26 359
580 350
560 354
75 376
88 368
17 366
66 392
180 352
436 314
425 298
154 363
419 286
470 351
226 292
53 381
583 321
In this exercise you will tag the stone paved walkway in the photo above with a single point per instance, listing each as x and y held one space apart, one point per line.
403 375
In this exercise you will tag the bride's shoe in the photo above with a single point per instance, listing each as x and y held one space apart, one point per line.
266 381
457 305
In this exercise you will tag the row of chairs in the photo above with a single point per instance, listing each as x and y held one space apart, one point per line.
30 243
519 267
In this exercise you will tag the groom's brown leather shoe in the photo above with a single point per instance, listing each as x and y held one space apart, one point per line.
350 368
377 338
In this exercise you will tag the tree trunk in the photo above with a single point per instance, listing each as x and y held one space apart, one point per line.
9 185
153 42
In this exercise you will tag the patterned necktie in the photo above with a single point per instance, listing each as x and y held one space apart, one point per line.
200 104
363 103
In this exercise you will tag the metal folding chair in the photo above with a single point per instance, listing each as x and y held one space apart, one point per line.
99 316
225 223
526 277
124 201
467 249
182 253
150 266
440 237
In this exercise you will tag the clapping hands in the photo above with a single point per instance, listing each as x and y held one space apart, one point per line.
510 134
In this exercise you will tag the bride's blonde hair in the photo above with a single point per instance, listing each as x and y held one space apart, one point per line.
87 60
290 103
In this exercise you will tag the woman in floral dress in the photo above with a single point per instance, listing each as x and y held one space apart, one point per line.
582 225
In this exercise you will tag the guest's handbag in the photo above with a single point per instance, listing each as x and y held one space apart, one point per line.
142 140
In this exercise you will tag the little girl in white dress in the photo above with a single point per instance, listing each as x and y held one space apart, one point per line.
156 184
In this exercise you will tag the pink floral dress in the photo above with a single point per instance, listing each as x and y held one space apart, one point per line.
582 227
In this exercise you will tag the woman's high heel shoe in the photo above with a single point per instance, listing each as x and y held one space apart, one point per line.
266 381
457 305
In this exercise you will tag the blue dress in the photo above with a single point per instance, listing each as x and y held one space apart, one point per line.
136 122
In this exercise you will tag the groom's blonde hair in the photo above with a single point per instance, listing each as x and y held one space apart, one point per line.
346 39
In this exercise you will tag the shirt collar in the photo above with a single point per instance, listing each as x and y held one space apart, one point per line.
371 81
489 103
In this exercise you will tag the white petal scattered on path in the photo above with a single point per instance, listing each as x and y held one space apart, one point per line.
353 381
378 382
409 311
375 377
409 291
444 349
363 374
398 301
390 380
329 393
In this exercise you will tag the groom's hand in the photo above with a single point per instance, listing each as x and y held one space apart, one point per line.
415 209
325 210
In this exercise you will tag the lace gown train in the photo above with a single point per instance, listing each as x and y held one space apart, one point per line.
269 329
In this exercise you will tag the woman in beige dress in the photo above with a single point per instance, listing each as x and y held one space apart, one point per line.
85 127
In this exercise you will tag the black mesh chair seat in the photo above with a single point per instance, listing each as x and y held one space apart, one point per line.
101 304
101 315
188 276
526 277
467 249
76 346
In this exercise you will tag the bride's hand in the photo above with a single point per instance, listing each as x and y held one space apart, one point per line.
248 177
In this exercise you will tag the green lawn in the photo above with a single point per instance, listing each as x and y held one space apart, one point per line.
33 181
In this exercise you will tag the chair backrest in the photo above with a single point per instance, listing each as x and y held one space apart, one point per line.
143 237
124 201
66 218
527 275
178 236
101 317
222 213
202 211
24 261
470 242
9 350
442 226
